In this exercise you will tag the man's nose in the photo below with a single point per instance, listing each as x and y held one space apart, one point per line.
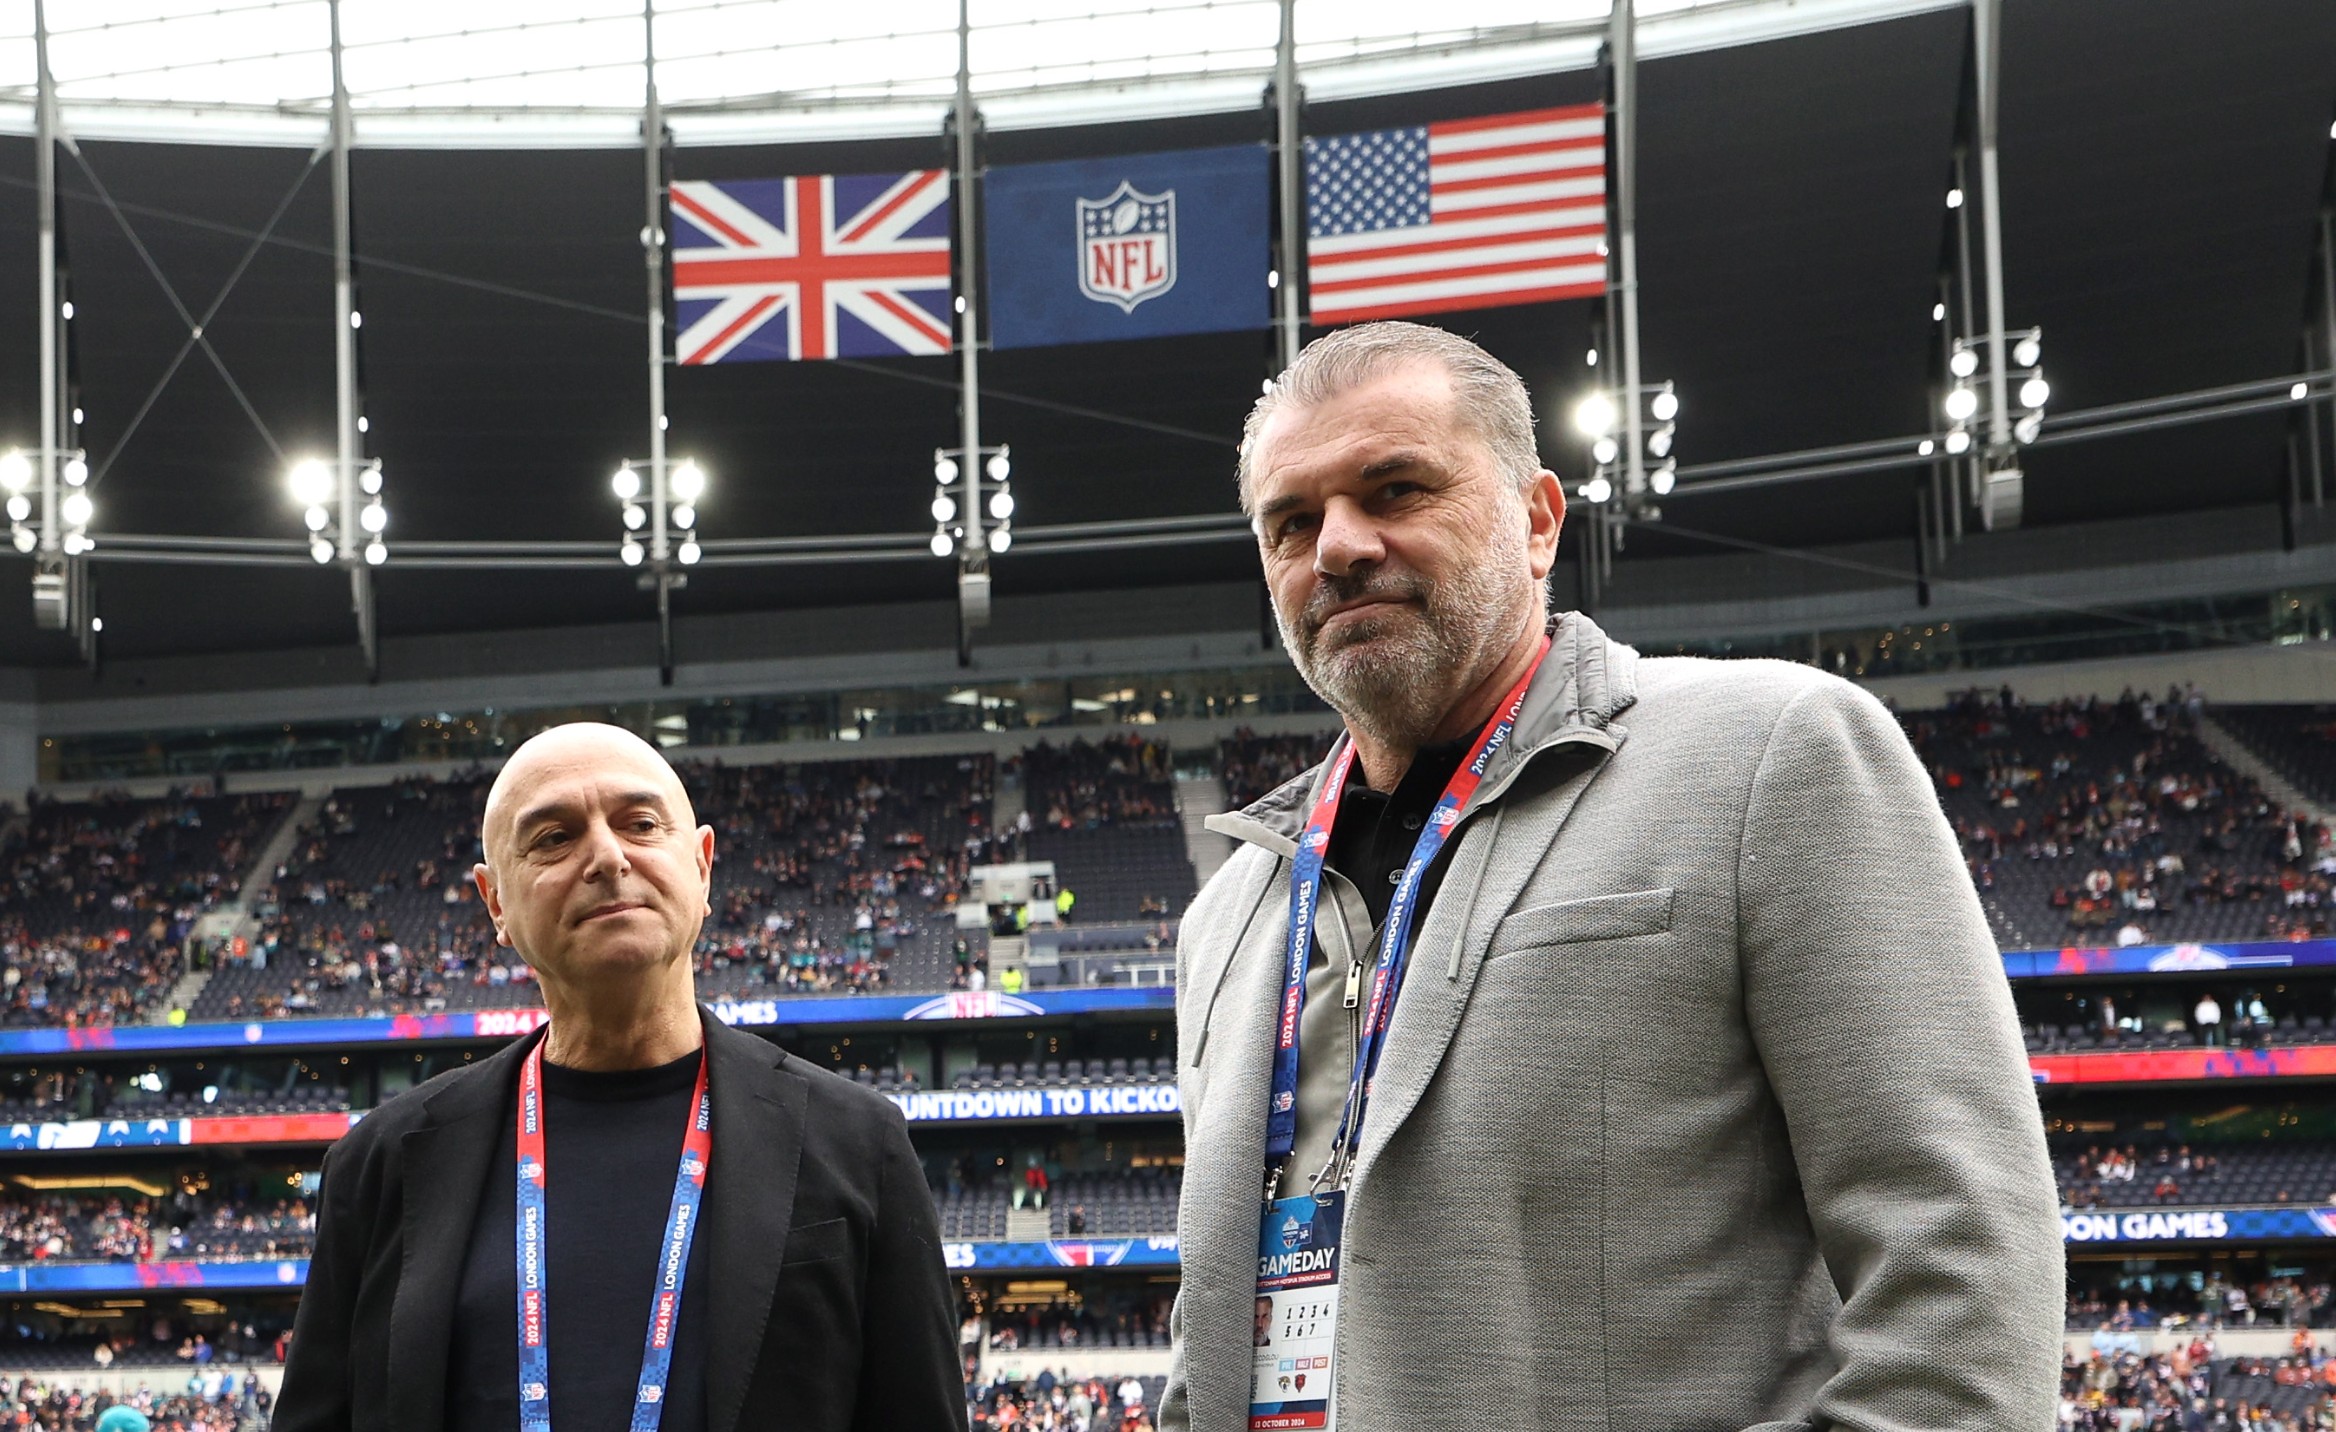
1348 539
604 854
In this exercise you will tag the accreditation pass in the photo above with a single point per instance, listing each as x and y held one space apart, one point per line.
1297 1312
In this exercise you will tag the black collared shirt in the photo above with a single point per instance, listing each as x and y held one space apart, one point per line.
1373 840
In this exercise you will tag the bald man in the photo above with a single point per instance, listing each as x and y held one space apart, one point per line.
637 1218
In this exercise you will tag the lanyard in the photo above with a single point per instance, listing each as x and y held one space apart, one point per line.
681 1225
1281 1129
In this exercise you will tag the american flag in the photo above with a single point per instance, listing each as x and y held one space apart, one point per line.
1469 213
815 266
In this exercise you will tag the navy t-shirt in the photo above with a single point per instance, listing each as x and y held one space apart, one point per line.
613 1140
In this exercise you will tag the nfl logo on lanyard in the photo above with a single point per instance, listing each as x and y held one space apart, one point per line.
1127 246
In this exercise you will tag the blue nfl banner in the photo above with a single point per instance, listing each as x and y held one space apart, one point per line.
1141 246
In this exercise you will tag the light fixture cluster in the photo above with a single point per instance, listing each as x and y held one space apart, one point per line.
949 521
361 525
656 510
75 511
1600 417
1965 404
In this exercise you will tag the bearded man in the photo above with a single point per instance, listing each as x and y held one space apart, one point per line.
1590 1041
637 1218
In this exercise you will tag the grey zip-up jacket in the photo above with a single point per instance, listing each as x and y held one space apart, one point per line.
1704 1107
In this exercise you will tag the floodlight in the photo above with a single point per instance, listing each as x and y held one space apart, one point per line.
311 482
999 467
943 544
1958 442
945 469
356 319
66 308
76 472
2027 351
944 507
1925 448
1001 539
2299 392
685 516
1659 441
23 539
1604 450
626 484
1665 405
373 517
76 544
2035 393
1938 313
689 552
689 480
320 551
1597 489
1961 402
316 518
96 625
1663 479
77 509
15 470
1595 416
19 507
2028 427
1001 504
376 553
369 481
631 552
1591 358
1954 198
1964 362
635 515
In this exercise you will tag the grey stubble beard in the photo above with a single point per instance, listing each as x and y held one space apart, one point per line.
1394 676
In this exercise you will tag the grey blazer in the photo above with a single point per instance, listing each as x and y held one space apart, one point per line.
1704 1107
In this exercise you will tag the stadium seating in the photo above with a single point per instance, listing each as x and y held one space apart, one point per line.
1251 765
1105 814
2298 741
59 1228
2171 1176
101 895
2080 819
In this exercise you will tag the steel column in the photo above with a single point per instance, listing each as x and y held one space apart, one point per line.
1288 157
1987 38
52 365
976 544
1623 51
350 454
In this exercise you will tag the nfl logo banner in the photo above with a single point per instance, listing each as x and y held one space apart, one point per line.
816 266
1136 247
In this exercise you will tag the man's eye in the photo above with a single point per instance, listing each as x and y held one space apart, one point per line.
1297 524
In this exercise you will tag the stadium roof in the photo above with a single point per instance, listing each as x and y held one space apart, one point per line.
2164 172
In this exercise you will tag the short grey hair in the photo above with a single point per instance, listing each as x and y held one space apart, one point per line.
1487 396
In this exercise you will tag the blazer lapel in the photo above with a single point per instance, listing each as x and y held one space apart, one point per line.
1474 897
1224 1194
750 1203
446 1163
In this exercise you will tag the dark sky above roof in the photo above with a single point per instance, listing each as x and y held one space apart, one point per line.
2163 168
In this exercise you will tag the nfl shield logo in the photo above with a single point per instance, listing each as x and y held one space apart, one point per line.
1127 246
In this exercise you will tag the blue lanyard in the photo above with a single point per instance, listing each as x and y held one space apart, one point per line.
1281 1128
681 1226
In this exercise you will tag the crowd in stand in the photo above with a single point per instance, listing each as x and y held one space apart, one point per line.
2129 812
2173 1175
111 1228
1130 1323
1251 765
100 896
1117 780
1049 1402
214 1401
2188 1389
2212 1301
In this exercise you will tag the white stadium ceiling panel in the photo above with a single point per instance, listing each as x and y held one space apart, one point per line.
568 73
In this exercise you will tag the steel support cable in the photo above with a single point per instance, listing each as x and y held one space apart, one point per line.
251 251
194 329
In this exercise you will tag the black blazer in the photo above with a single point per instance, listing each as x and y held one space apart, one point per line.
831 1310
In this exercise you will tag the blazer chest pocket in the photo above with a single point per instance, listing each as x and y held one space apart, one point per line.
1571 922
818 1242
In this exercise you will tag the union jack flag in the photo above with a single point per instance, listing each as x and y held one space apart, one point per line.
813 266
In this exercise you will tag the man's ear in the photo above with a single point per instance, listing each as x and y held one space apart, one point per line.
484 879
706 864
1545 516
